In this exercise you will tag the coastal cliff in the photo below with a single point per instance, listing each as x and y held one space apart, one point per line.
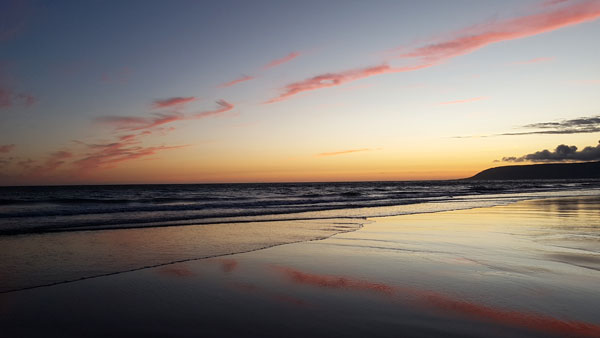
541 171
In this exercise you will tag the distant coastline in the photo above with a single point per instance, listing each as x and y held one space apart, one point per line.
541 171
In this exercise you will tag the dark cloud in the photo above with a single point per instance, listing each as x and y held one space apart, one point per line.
561 153
574 126
580 125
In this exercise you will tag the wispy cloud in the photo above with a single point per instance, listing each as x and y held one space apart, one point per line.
335 79
224 106
172 102
52 162
9 98
343 152
271 64
561 153
131 123
580 125
110 154
478 36
473 99
282 60
459 43
241 79
6 148
26 164
136 123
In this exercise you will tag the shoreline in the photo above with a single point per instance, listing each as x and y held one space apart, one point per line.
357 226
350 213
513 269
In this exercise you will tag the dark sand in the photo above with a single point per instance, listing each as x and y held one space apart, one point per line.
529 269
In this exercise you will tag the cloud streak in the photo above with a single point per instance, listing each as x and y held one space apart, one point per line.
132 123
335 79
479 36
8 98
241 79
136 123
580 125
52 163
560 154
110 154
459 43
282 60
224 106
172 102
343 152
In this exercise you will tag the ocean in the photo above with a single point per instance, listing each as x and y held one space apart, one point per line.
67 208
415 259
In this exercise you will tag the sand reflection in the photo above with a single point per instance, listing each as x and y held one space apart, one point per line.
447 304
176 270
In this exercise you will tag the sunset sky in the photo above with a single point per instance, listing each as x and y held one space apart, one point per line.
268 91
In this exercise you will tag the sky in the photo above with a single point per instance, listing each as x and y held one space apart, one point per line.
108 92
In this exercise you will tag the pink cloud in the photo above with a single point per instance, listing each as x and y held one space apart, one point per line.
224 106
132 123
473 99
476 37
534 60
335 79
172 102
135 123
342 152
54 160
6 148
282 60
110 154
26 164
459 43
243 78
8 98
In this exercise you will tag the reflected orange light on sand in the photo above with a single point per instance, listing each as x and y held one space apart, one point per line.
177 270
447 304
228 265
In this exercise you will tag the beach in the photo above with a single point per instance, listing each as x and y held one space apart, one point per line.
528 269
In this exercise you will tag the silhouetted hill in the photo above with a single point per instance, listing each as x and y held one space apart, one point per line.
541 171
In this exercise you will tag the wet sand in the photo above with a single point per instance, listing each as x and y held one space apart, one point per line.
528 269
